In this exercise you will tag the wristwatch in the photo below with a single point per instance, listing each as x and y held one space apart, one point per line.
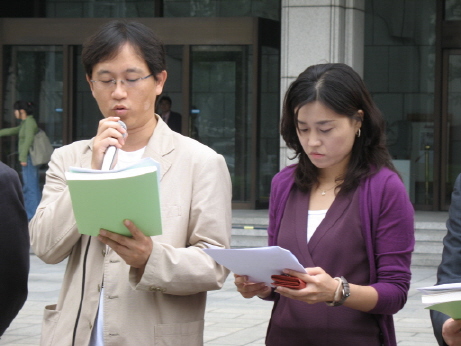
345 293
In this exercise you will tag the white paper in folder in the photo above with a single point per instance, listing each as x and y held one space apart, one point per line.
257 263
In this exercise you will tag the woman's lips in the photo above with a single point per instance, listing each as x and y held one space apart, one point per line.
316 155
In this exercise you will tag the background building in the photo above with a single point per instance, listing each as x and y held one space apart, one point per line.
230 62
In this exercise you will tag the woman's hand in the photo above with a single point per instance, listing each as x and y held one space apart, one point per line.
320 286
451 331
23 164
249 289
110 132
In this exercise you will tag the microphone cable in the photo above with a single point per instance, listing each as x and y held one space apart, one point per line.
107 164
83 291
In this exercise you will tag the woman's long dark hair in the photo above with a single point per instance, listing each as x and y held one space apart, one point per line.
340 88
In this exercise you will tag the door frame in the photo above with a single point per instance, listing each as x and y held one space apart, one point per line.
71 32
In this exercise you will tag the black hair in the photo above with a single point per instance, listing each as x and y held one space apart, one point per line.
340 88
27 106
165 98
107 41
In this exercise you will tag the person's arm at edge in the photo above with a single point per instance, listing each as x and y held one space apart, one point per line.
14 247
10 131
449 268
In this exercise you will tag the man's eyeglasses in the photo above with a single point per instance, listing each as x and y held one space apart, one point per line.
111 83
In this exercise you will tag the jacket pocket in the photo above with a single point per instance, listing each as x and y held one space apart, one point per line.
49 323
179 334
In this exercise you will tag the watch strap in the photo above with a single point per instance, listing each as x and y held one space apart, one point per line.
345 292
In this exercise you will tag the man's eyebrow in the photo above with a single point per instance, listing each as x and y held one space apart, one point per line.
100 72
128 70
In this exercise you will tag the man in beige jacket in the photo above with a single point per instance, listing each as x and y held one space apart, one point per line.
134 290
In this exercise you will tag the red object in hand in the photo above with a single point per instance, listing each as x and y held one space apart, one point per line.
288 281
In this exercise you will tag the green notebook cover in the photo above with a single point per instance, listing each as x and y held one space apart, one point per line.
452 309
105 199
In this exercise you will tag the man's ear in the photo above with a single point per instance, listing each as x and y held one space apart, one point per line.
88 79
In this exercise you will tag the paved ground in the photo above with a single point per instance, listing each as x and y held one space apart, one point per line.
230 319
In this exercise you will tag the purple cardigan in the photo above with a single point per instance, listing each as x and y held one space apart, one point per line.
387 217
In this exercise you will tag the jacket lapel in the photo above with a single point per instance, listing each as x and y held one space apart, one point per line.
85 160
160 146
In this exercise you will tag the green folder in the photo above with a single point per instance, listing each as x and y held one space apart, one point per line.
103 199
452 309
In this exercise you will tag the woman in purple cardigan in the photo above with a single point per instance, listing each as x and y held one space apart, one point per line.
343 211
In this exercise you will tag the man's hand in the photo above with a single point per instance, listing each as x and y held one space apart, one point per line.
135 250
451 332
109 133
23 164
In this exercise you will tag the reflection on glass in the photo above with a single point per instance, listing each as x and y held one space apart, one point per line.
100 8
400 73
86 111
269 141
221 109
452 10
34 73
222 8
173 85
453 123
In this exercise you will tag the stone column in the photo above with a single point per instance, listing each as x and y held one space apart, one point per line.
319 31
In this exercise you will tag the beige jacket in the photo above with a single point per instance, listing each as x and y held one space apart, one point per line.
167 306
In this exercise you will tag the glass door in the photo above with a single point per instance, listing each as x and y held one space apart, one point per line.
220 114
33 73
451 120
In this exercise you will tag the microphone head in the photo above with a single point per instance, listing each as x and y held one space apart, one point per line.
122 124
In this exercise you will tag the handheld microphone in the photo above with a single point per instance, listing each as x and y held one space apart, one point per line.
111 153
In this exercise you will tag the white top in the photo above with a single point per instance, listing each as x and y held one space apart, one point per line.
124 159
315 217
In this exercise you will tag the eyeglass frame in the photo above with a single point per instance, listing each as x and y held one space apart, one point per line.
114 81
